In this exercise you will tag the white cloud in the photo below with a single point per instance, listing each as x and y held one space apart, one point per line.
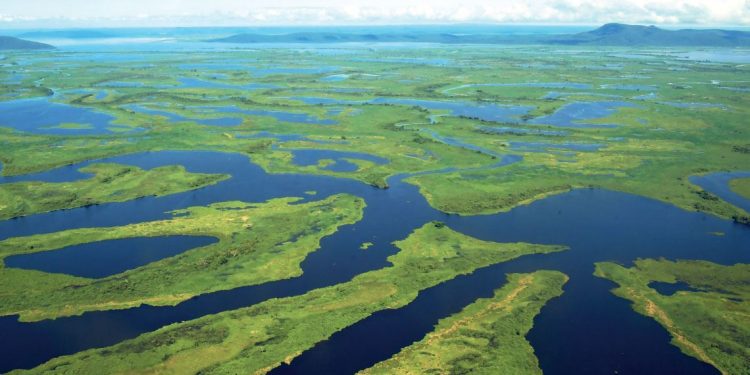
316 12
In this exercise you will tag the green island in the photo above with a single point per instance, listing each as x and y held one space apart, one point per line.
252 249
486 337
708 322
109 183
259 338
741 186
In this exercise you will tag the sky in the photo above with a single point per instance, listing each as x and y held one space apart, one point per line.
122 13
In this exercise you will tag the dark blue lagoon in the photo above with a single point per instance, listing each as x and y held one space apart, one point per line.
340 164
106 258
587 330
669 289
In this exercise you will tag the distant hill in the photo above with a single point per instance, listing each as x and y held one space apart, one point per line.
344 37
9 42
616 34
612 34
65 34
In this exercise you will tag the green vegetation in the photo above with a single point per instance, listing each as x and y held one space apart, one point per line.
486 337
741 186
259 338
656 146
110 183
710 323
258 243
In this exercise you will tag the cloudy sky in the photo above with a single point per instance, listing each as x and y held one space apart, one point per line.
56 13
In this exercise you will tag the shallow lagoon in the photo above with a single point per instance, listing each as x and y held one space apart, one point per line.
42 116
573 115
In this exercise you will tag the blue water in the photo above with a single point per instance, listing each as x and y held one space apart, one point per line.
521 131
669 289
313 157
287 137
188 82
545 85
573 115
587 329
481 111
302 118
264 72
335 78
718 184
41 115
106 258
693 105
409 60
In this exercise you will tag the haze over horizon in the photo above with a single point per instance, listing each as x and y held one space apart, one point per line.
173 13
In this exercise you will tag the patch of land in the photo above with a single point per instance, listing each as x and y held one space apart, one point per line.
259 338
486 337
741 186
709 323
258 243
109 183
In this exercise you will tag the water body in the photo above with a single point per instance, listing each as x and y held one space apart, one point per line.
722 56
106 258
286 137
409 60
587 330
693 105
545 85
188 82
521 131
573 115
340 164
718 184
264 72
302 118
669 289
42 116
481 111
120 84
335 78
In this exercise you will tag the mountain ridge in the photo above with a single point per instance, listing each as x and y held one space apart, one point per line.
13 43
611 34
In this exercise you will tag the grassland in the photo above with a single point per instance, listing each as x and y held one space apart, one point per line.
486 337
259 338
741 186
258 243
109 183
709 323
